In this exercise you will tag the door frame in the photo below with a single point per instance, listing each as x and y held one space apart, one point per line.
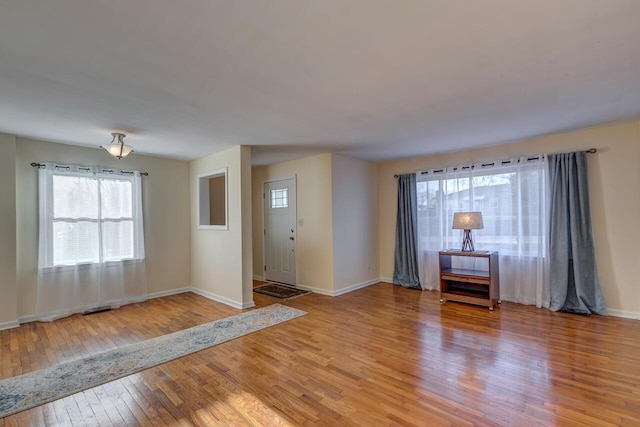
295 212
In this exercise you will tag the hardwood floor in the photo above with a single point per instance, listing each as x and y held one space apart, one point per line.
382 355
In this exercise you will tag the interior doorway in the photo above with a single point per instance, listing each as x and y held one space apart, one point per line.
279 219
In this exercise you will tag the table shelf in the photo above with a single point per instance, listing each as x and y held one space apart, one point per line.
480 287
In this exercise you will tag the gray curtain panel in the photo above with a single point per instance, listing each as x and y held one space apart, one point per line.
574 282
405 270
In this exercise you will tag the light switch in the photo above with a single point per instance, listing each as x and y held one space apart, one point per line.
300 222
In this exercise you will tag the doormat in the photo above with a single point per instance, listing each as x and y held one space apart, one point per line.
280 291
46 385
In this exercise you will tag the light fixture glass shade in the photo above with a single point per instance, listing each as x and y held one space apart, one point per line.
118 149
467 221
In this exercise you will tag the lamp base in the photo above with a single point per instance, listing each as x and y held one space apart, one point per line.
467 242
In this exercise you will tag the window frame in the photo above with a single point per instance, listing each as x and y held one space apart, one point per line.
48 217
440 176
279 194
202 183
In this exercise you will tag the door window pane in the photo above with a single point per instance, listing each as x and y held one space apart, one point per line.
279 198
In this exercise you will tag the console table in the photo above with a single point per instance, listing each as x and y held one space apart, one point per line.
480 287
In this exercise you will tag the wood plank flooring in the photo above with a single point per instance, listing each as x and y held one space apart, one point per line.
379 356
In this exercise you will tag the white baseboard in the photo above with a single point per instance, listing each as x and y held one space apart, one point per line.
27 319
59 314
120 303
9 325
624 313
223 300
315 290
259 278
339 292
248 304
205 294
386 279
169 292
356 286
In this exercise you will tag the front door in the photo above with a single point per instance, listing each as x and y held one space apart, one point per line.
280 230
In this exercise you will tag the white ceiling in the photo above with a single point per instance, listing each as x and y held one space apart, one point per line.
375 79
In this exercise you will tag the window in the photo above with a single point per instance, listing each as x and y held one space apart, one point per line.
508 197
512 198
89 216
279 198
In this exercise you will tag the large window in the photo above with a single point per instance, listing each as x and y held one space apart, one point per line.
509 197
512 198
90 217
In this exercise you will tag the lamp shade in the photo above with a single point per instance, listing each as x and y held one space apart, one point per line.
467 221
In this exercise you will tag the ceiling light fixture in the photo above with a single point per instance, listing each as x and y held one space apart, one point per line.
118 149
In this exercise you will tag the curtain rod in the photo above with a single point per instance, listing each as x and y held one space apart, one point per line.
41 165
589 151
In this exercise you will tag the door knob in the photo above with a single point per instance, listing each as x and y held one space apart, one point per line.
290 238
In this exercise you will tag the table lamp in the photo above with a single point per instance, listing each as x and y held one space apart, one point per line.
467 221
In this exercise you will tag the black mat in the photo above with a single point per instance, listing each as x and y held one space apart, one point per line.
280 291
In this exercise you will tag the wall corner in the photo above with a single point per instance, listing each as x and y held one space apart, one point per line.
8 239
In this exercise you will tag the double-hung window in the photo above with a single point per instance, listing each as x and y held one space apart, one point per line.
89 216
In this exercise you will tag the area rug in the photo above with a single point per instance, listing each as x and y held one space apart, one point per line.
280 291
36 388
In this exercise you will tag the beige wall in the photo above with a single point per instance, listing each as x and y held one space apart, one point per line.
8 285
355 221
247 236
220 261
314 247
614 174
165 206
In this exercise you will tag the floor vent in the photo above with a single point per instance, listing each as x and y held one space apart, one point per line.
96 310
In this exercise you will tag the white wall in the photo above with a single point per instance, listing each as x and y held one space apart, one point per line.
314 239
614 188
8 285
221 259
355 222
165 206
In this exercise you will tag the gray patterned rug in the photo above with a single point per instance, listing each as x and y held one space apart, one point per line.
36 388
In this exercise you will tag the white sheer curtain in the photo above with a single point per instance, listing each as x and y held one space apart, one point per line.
512 196
91 240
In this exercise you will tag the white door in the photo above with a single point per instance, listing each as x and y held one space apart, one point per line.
280 230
